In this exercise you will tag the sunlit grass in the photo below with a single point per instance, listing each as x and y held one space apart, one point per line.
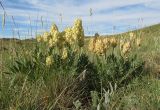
60 87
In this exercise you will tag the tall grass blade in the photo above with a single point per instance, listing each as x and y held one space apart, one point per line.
4 15
42 21
3 20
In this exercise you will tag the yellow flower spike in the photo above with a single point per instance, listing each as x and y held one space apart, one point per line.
39 38
51 43
46 36
64 53
100 47
138 42
69 36
53 29
60 40
131 34
121 43
49 60
113 42
77 22
126 47
78 32
91 45
106 42
55 36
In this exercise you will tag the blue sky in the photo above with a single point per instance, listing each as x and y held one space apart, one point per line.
122 15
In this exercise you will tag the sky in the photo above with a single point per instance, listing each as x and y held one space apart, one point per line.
26 18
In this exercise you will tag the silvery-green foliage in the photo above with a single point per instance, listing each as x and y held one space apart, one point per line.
77 104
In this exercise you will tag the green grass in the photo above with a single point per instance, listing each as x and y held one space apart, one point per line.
63 88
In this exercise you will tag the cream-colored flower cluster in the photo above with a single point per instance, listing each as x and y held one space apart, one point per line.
46 36
101 45
127 45
39 38
49 60
64 53
132 36
71 35
78 32
134 39
53 29
54 38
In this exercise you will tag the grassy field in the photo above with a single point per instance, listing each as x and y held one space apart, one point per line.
80 82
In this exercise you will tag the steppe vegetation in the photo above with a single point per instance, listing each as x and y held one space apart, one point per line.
65 70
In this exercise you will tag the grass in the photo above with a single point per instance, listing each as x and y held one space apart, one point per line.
69 87
10 47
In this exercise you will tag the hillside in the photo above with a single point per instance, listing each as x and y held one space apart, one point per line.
150 45
153 30
36 75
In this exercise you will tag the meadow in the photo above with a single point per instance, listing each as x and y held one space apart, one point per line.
68 71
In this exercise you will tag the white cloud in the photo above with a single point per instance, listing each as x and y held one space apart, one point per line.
155 4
